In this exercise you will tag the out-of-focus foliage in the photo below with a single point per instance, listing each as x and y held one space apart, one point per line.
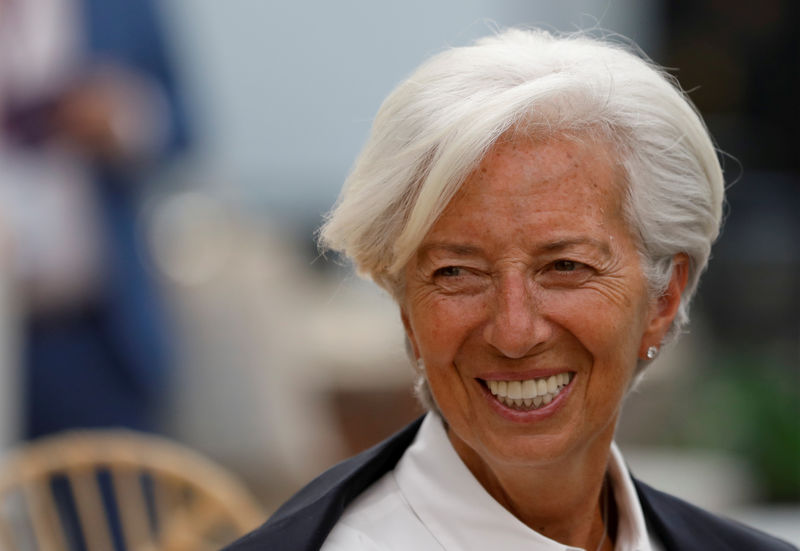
750 405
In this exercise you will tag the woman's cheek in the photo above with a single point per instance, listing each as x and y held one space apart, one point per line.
447 322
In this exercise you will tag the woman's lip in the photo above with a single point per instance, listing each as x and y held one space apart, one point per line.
523 416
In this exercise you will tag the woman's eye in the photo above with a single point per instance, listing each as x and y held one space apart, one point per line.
565 272
459 280
449 271
566 265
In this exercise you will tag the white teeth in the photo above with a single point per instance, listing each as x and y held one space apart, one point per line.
529 388
541 387
530 392
552 384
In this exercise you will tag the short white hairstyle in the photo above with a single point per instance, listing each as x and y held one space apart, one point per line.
435 128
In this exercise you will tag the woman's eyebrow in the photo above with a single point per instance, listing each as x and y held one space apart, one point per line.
463 249
457 249
561 244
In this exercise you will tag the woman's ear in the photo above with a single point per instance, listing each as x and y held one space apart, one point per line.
665 307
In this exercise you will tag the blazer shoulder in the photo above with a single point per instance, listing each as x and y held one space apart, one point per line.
304 521
684 526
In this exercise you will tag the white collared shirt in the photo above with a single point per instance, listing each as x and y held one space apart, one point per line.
432 502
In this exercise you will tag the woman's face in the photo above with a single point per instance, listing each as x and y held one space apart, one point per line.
527 303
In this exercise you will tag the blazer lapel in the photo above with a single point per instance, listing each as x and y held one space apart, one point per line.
303 522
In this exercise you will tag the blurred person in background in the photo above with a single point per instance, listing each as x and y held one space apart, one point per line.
88 105
541 209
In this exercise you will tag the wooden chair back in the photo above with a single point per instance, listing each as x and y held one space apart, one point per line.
118 490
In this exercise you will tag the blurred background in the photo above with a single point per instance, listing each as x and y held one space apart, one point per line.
164 166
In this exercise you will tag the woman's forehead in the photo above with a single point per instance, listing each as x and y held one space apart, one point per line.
523 174
536 192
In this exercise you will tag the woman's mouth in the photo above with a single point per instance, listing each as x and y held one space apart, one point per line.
529 394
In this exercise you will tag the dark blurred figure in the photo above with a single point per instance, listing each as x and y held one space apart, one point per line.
89 106
741 60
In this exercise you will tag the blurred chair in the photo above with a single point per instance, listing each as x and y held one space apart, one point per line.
106 490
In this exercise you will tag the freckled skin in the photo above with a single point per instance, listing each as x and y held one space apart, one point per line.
489 292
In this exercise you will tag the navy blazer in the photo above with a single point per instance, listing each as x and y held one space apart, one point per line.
303 522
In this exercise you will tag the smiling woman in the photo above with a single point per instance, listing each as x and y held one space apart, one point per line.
541 209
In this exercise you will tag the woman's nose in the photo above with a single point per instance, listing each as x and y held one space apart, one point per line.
516 325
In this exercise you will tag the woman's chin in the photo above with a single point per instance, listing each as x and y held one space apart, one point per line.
493 450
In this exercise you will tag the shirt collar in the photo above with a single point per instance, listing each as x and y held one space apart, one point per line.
631 527
460 513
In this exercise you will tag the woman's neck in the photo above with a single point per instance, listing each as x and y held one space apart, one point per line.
562 501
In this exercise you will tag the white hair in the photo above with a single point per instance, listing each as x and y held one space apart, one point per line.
436 127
